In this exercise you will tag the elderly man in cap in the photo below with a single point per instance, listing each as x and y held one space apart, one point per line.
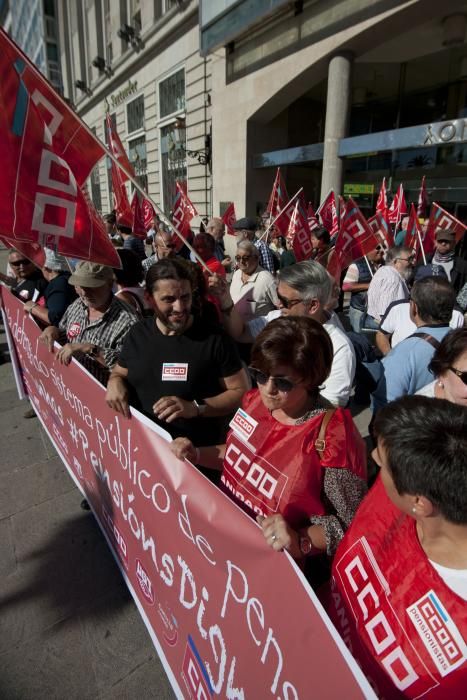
95 325
245 230
58 294
454 266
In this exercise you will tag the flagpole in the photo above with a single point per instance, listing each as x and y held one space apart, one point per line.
280 214
421 246
369 268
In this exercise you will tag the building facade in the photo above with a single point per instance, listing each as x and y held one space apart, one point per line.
339 93
140 60
34 28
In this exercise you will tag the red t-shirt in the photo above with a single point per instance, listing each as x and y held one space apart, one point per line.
403 624
274 468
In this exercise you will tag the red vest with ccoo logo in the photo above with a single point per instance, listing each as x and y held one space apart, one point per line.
276 469
402 623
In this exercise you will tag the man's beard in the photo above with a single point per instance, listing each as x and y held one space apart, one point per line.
172 325
407 274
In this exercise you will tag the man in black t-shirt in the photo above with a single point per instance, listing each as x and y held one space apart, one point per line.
179 370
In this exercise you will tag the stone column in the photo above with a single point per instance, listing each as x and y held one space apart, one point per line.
337 118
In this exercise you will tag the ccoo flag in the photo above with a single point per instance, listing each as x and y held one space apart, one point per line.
229 218
47 154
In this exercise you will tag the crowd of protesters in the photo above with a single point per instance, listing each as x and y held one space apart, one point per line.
191 344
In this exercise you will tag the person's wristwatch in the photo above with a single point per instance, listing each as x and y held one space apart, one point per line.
201 408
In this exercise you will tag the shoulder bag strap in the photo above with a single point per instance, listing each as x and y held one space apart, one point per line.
320 442
429 339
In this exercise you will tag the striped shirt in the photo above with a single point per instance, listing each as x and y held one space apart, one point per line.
107 332
266 256
386 286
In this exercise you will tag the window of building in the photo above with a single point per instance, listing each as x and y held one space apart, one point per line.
135 115
173 161
172 94
108 162
168 4
138 159
96 183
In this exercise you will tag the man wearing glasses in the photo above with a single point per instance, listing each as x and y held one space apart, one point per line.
245 229
357 280
253 290
163 247
28 283
390 282
304 289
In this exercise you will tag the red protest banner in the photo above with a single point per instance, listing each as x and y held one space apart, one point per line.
311 217
422 200
47 154
398 207
149 213
382 202
413 236
298 234
227 615
183 213
441 219
124 212
138 226
379 225
229 218
328 214
355 240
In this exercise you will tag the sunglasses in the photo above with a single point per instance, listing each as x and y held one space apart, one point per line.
288 303
17 263
242 258
462 375
379 247
281 383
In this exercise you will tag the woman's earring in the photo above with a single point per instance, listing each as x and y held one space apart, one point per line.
440 384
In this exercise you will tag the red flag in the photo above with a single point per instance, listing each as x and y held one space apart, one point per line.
278 197
32 251
138 227
183 213
229 218
299 234
121 202
413 235
311 217
441 219
149 213
355 239
379 225
341 211
47 154
422 200
328 214
382 202
116 146
398 207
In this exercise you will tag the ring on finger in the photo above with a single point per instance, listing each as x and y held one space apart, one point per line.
273 538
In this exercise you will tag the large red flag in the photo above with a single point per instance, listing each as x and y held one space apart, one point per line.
379 225
149 213
311 217
47 154
398 207
413 235
138 227
116 146
441 219
121 202
183 213
355 240
299 234
328 214
382 202
229 218
278 197
422 200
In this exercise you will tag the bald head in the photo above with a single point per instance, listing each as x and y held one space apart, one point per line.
215 227
164 245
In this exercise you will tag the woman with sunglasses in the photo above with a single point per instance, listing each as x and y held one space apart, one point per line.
449 366
253 289
28 281
291 460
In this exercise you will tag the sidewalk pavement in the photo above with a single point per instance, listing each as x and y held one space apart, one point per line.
68 625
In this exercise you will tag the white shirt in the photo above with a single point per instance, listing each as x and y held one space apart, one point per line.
397 322
386 286
455 579
255 297
427 390
338 385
